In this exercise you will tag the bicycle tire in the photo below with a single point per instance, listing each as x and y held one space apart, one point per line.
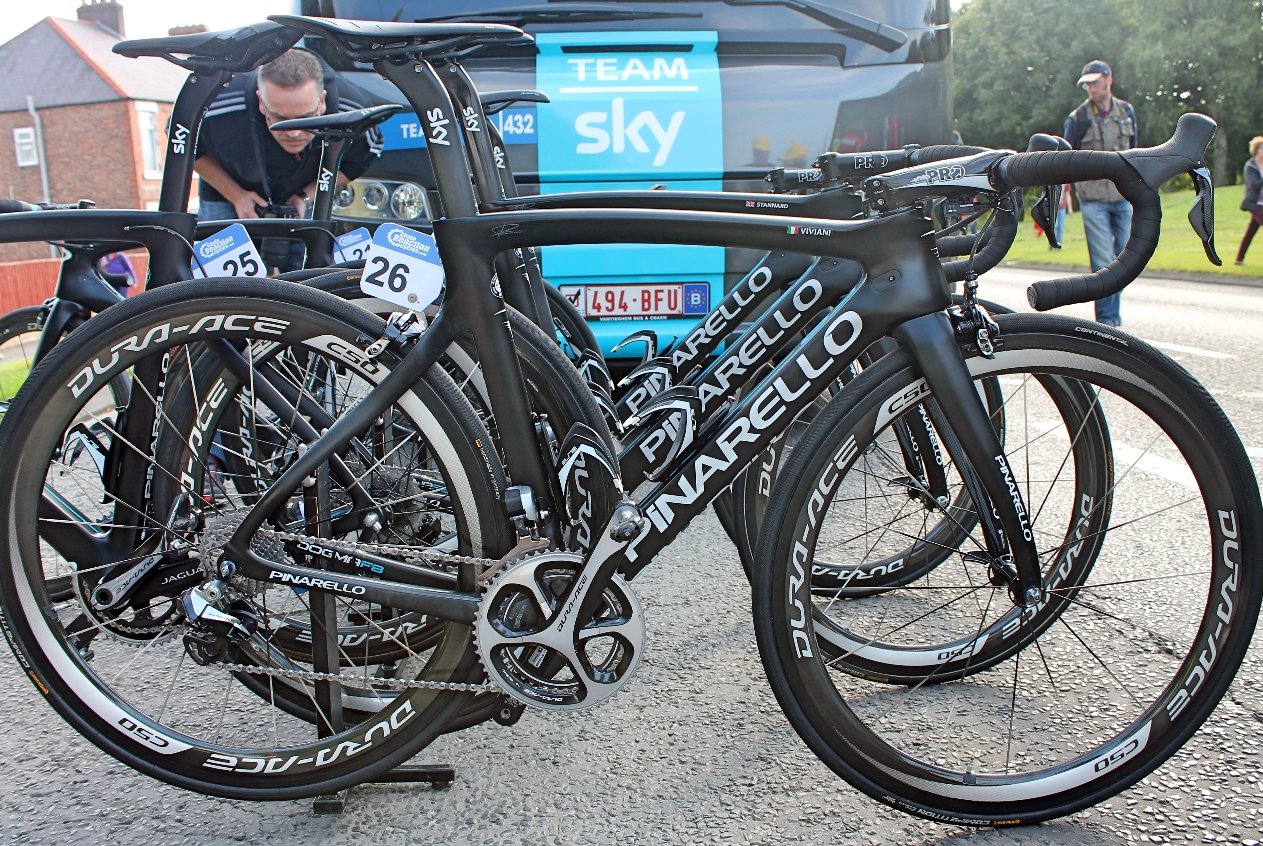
1168 604
120 721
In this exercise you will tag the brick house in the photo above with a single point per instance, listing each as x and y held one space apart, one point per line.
100 117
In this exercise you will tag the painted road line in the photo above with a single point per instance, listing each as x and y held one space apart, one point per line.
1180 348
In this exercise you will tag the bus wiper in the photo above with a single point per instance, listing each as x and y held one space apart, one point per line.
544 14
861 27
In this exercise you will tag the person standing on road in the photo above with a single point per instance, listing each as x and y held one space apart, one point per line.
1103 122
1250 201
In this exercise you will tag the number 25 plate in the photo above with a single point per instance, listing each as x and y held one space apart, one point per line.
672 299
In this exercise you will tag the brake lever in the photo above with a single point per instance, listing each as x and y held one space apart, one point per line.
1044 213
1202 214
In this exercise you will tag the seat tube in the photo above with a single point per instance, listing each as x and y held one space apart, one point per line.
473 296
932 343
520 289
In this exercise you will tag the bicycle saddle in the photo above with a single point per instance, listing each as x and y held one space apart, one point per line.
340 124
370 40
235 50
495 101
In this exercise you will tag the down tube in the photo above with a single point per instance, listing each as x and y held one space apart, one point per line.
768 409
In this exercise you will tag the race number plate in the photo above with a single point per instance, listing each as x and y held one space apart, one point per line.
229 252
402 267
352 246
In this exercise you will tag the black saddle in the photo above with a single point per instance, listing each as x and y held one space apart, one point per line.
340 124
235 50
366 41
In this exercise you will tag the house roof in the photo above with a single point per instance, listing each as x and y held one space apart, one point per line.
68 63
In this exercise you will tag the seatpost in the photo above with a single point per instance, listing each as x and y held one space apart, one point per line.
186 120
472 298
521 289
331 149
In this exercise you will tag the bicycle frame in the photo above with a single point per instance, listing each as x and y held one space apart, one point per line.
903 295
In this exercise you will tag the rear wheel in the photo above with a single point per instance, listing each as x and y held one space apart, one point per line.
124 672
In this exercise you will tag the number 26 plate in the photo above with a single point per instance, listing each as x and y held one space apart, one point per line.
671 299
402 267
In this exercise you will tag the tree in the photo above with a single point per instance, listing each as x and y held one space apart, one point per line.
1204 56
1017 64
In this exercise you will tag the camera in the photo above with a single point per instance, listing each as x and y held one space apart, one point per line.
275 210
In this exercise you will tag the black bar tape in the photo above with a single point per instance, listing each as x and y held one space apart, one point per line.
999 238
9 206
939 152
1034 169
954 246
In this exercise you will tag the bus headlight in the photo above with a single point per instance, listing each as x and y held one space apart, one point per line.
376 196
407 201
344 197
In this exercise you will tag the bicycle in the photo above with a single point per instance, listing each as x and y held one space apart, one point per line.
583 597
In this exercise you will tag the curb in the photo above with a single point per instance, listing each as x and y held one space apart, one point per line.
1245 281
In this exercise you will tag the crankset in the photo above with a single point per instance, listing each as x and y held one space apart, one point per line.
537 653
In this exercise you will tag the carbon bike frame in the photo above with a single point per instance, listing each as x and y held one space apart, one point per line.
903 295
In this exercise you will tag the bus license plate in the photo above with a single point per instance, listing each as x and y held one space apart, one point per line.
678 299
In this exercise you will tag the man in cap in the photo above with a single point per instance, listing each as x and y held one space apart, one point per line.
1102 122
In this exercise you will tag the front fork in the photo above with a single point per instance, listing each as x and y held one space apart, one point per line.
1006 524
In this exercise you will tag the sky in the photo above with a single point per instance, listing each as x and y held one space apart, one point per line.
146 18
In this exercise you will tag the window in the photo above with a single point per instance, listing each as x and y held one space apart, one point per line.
24 141
150 143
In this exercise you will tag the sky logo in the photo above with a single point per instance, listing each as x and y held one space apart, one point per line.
652 112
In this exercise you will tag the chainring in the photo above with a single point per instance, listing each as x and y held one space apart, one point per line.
555 667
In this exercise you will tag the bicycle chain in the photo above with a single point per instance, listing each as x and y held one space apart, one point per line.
409 554
358 681
400 552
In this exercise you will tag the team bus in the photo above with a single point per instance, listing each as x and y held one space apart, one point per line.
677 94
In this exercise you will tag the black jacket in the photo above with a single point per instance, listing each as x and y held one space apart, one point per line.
235 133
1253 182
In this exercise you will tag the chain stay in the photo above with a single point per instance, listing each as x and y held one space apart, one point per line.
403 553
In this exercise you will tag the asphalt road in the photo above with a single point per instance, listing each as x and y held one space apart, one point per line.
694 750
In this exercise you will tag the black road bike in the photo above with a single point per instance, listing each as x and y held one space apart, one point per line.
1031 630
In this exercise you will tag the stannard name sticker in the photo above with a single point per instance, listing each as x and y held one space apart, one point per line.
402 267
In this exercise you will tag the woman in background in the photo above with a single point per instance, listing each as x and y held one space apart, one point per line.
1250 202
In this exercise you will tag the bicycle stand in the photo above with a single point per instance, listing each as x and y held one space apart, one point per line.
324 642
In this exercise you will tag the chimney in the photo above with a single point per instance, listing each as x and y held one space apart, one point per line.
106 13
187 29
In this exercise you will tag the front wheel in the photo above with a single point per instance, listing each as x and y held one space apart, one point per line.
1023 714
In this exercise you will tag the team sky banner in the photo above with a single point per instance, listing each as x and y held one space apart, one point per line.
631 110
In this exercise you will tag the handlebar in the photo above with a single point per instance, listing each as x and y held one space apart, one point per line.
10 206
1137 173
832 169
